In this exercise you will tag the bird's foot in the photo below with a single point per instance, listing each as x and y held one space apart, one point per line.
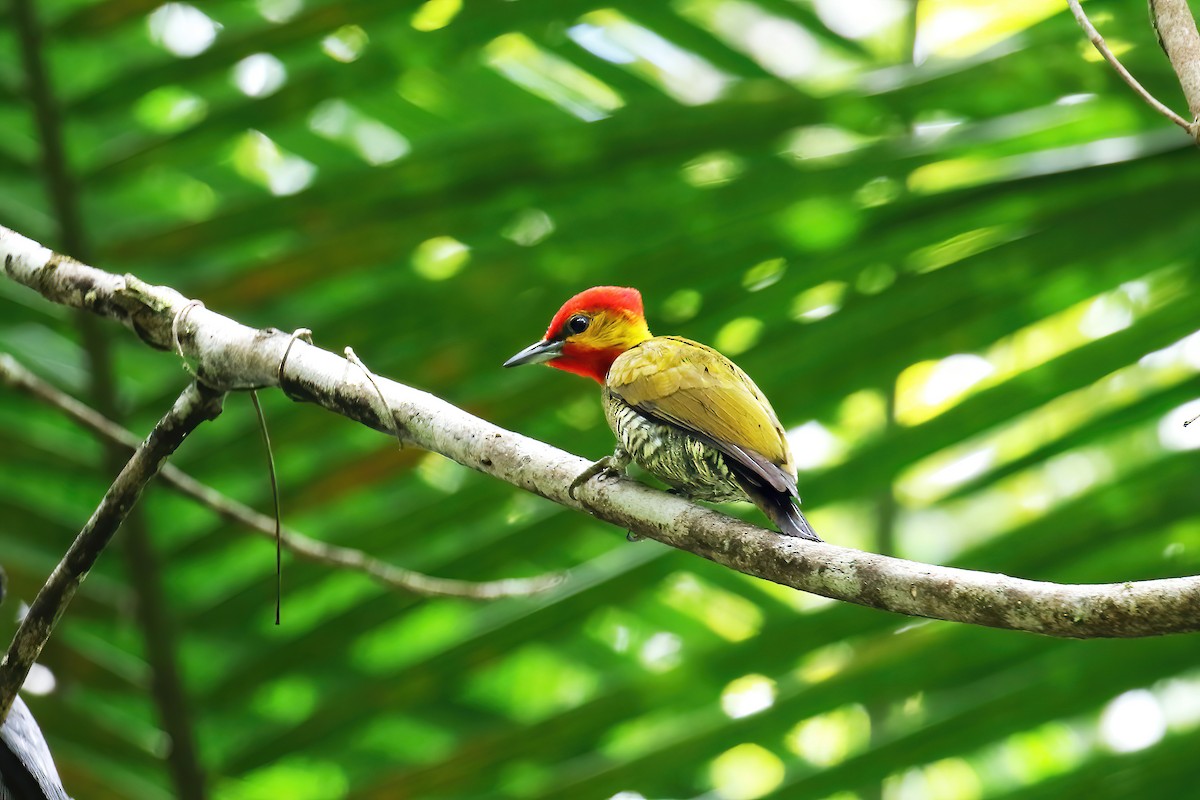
607 466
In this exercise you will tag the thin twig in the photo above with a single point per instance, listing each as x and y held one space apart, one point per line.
194 406
1098 41
353 358
393 577
274 477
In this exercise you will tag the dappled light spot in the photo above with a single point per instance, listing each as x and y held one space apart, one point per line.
712 169
523 778
1075 99
521 509
346 44
582 414
520 60
377 143
681 74
627 796
259 75
943 472
821 145
403 738
40 681
1117 45
819 302
861 19
813 445
182 30
1172 432
928 388
745 772
661 652
959 30
260 160
764 274
278 11
1045 751
738 335
1132 721
1179 698
170 109
296 778
960 247
877 192
1110 313
930 126
617 629
436 14
747 695
416 635
779 45
185 196
440 258
529 227
561 682
682 305
289 699
949 779
374 142
954 173
874 278
831 738
729 615
644 734
424 89
818 224
952 376
441 473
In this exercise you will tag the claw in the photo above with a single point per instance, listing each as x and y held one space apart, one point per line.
603 466
608 466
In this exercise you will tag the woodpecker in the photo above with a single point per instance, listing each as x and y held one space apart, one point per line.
679 409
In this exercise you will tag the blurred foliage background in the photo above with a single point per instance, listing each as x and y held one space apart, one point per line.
957 253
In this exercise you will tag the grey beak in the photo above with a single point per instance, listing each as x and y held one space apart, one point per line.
536 353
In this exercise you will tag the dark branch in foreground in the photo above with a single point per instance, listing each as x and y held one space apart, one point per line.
232 356
393 577
194 406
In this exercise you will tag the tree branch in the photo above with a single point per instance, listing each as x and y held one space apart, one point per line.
18 377
197 404
1176 29
231 355
1098 41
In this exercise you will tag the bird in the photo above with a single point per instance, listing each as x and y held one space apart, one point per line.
679 409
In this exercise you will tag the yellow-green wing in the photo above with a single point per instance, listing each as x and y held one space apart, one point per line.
696 388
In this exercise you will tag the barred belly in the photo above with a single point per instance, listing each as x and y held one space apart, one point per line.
671 455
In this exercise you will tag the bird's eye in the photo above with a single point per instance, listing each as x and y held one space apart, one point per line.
578 323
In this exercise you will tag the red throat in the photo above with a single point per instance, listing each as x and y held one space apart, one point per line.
589 362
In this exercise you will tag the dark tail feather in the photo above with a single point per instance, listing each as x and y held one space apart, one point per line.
783 512
790 519
779 506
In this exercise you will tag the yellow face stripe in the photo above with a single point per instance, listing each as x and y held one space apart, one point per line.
611 330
